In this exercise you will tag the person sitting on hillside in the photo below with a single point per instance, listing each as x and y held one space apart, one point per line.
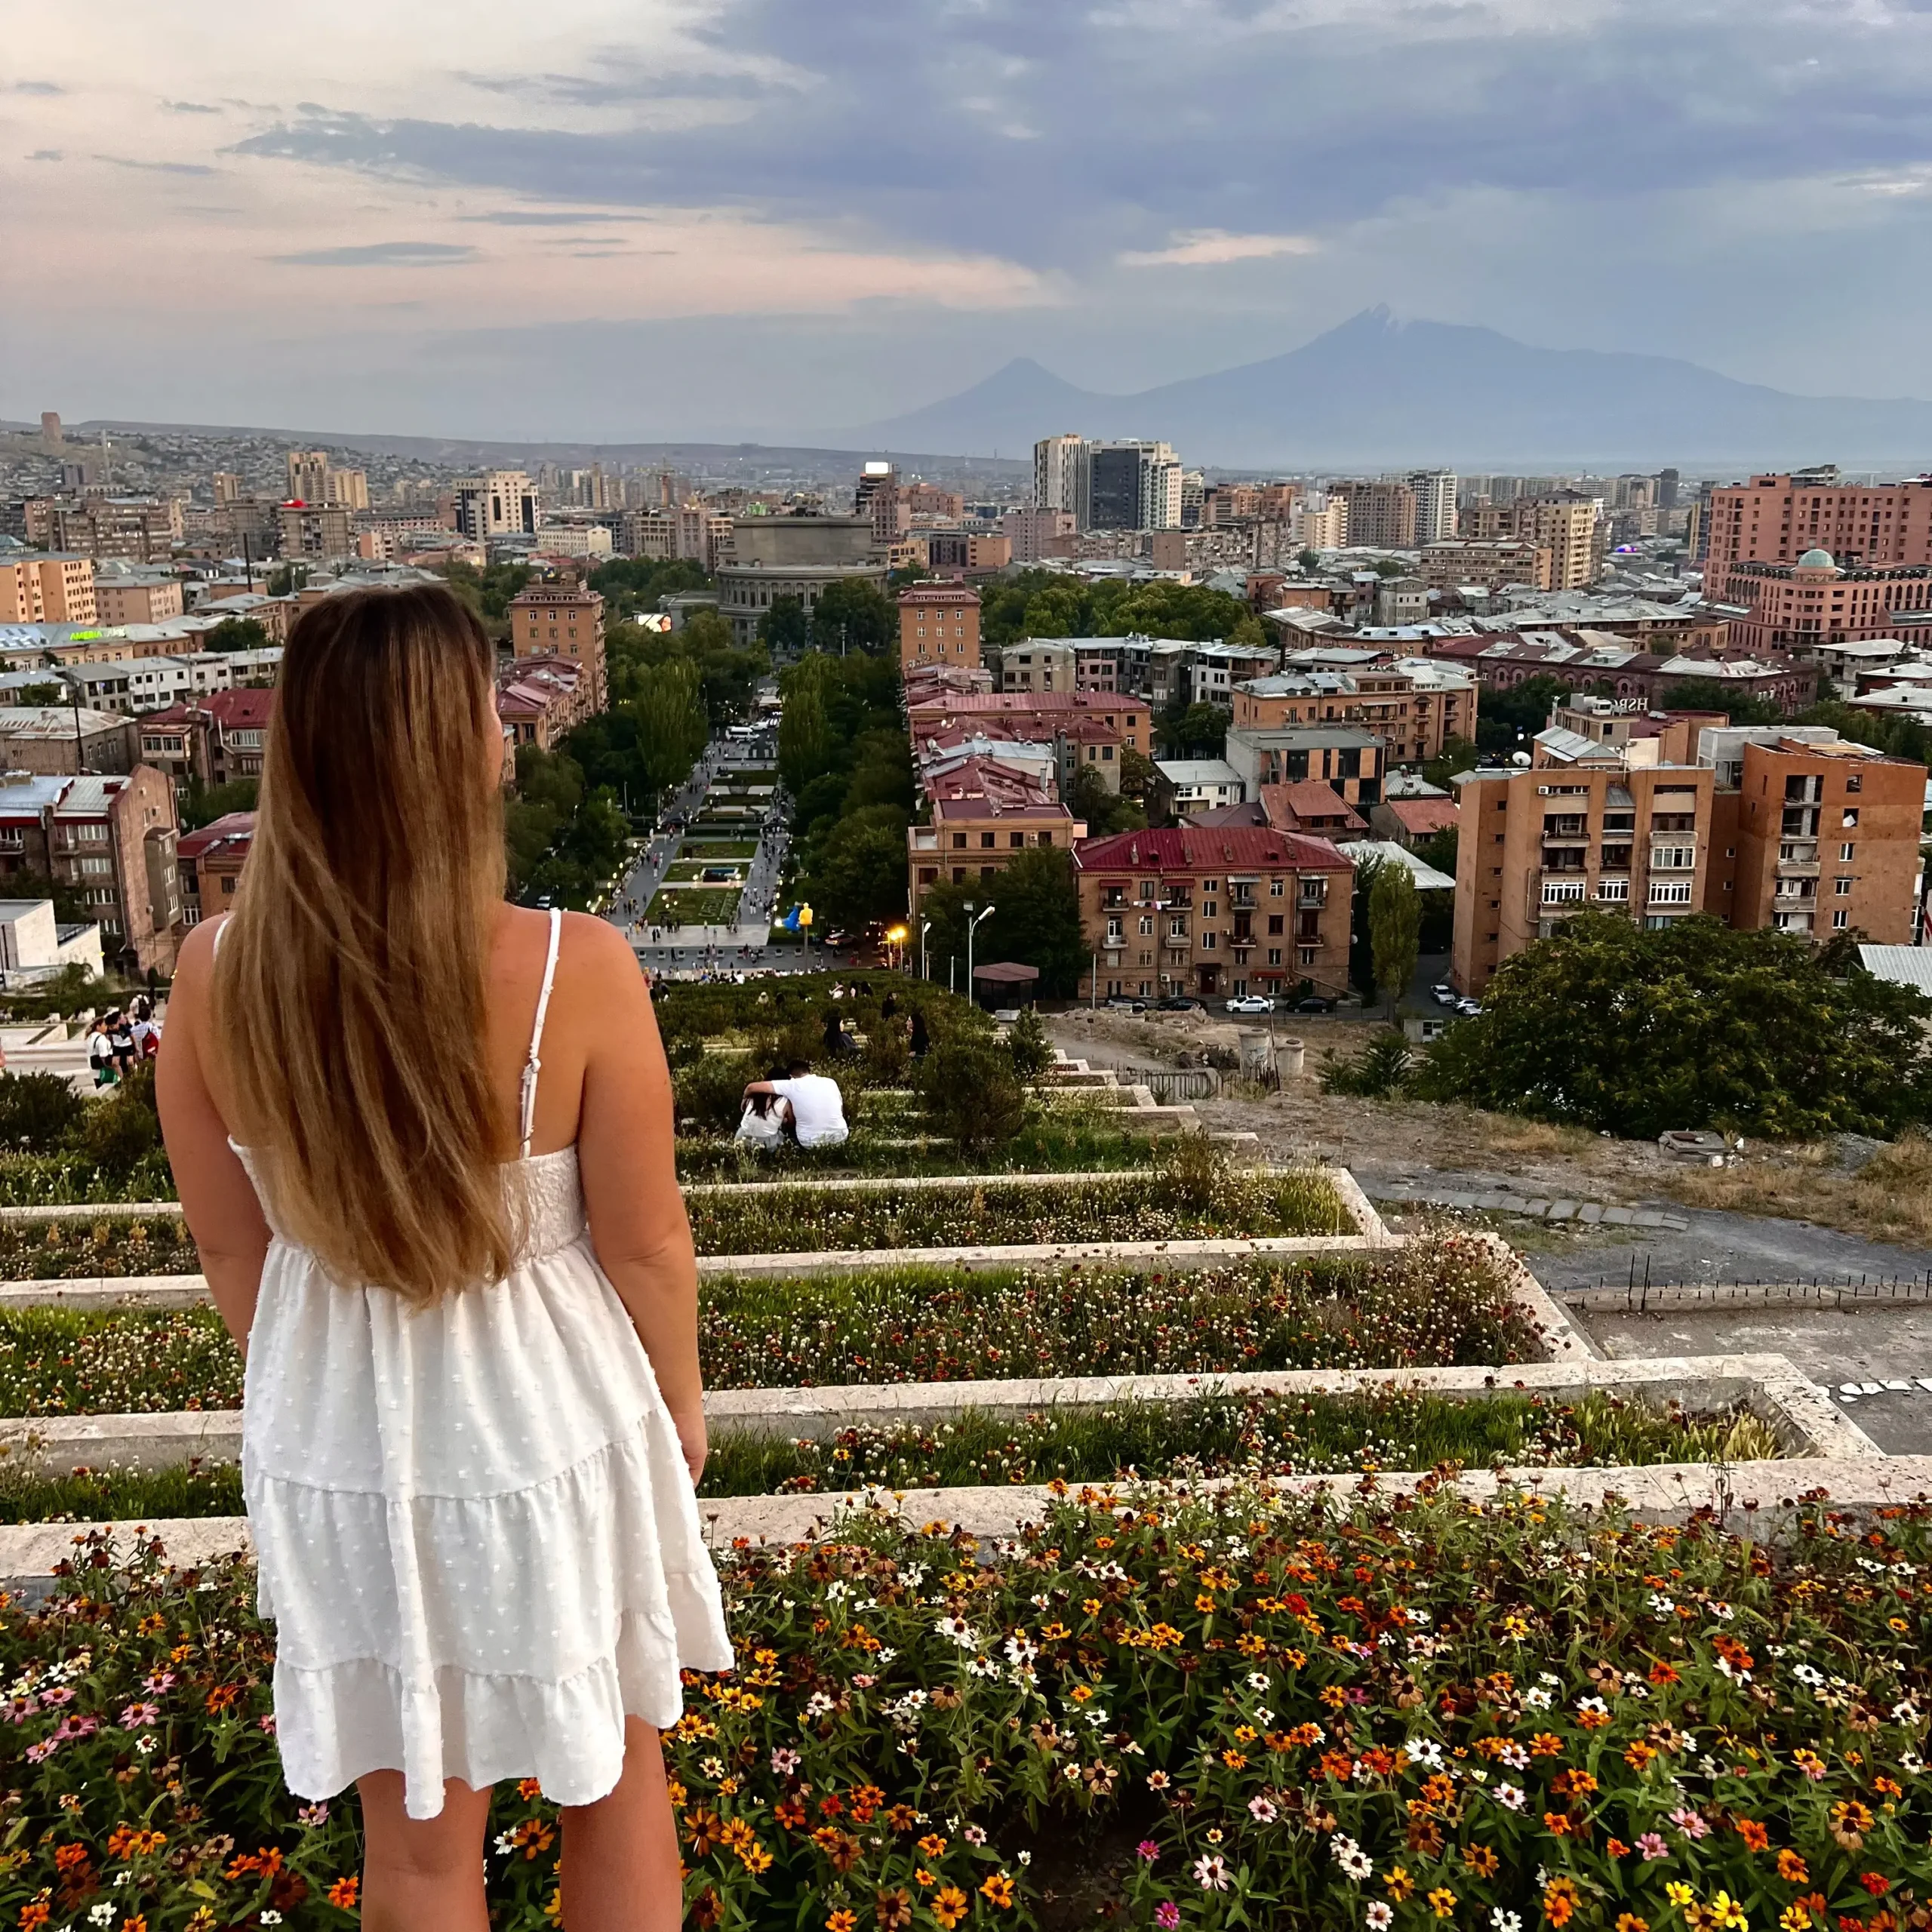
818 1108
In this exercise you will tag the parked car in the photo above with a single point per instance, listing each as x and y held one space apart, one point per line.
1251 1003
1445 995
1466 1006
1180 1003
1314 1003
1124 1003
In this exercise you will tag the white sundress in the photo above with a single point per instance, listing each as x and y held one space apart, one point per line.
475 1529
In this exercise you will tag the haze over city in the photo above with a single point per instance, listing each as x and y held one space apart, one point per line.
750 220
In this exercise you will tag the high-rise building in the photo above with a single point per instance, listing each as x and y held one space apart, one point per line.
348 489
1059 475
1667 482
878 499
308 476
1435 505
938 623
502 503
1132 485
1381 513
1193 496
229 487
52 436
1776 519
42 589
1564 522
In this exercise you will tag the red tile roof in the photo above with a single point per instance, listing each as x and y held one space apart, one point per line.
1421 816
237 826
1192 848
248 708
1308 802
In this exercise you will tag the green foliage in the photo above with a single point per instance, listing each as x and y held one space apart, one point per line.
726 675
1713 694
1035 921
70 906
854 615
1137 773
488 591
52 692
1523 708
672 729
1457 755
202 805
1382 1067
1088 798
117 1134
1032 1052
1193 730
858 870
286 578
972 1092
632 586
1394 925
1308 561
237 633
1897 737
1609 1025
784 629
38 1111
1039 603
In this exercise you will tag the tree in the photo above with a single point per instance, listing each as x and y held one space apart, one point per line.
784 629
1193 730
859 873
672 729
1610 1026
237 633
1136 774
972 1092
1897 737
1457 755
50 693
1308 561
804 738
1713 694
853 615
1522 709
286 578
203 804
1395 926
1087 797
1035 921
632 585
70 906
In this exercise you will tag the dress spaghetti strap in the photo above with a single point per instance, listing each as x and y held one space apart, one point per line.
534 1065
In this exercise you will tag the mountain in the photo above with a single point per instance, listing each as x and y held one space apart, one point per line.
1377 391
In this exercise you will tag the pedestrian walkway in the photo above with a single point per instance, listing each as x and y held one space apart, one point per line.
1586 1212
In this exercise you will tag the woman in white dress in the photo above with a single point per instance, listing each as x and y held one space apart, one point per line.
423 1141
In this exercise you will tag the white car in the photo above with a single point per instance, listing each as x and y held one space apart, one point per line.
1250 1003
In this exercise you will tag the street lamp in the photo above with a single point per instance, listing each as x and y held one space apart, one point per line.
925 926
973 926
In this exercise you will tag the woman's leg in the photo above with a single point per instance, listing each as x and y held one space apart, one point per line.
621 1854
422 1875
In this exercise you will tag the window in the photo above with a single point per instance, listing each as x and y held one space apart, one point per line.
1561 891
1850 821
1017 839
1210 908
1274 955
959 874
1670 892
1208 942
1274 922
1841 918
1845 852
1854 781
1308 955
1114 932
1276 886
988 840
1613 891
988 872
1146 925
1674 858
1842 888
959 841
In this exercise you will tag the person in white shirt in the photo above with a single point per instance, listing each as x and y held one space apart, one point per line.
818 1108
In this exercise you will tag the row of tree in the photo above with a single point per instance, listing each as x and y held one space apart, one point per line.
1049 604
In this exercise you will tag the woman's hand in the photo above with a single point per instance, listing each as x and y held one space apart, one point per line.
692 1440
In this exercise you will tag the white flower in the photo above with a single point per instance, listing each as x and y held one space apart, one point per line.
1211 1873
1661 1605
1355 1863
817 1704
1261 1810
270 1916
1911 1762
1807 1675
1379 1917
101 1914
1425 1751
1019 1651
1510 1795
1596 1704
1536 1700
1257 1680
1025 1857
1506 1922
1905 1711
961 1632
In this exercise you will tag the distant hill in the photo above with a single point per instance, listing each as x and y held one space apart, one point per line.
1376 392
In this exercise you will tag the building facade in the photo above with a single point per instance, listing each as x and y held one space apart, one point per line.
135 600
1435 505
502 503
1059 475
938 623
562 620
1489 565
801 556
1564 522
1349 759
1381 513
210 740
210 860
56 589
1799 607
1213 912
1776 518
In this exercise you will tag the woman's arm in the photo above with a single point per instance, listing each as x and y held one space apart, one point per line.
218 1198
626 1153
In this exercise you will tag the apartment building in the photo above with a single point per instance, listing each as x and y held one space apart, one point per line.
1213 911
140 529
1039 665
562 620
1813 834
878 499
1130 485
938 623
210 861
1776 518
1090 728
58 588
53 739
135 600
540 698
1434 493
1381 514
1587 824
1800 607
1343 756
1491 564
982 812
500 503
1059 475
977 552
1564 522
930 500
1035 533
210 740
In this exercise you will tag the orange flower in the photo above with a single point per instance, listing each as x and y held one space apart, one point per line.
932 1846
998 1891
842 1922
1628 1921
1793 1869
343 1893
527 1789
1442 1901
1480 1860
34 1914
1545 1744
1559 1901
949 1906
1754 1835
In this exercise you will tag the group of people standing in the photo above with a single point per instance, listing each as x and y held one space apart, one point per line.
118 1041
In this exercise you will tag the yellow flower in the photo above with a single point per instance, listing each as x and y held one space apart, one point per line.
1728 1913
1680 1895
1442 1901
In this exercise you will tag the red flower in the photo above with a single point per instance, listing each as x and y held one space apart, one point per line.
1876 1883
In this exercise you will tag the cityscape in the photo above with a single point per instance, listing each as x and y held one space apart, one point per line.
1260 883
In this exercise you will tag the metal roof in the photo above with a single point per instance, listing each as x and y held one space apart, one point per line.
1903 965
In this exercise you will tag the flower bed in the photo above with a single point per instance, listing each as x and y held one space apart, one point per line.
1272 1712
693 906
49 1181
1135 1208
711 848
1443 1303
120 1245
1079 1145
1258 1436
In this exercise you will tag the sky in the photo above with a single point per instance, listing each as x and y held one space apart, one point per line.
770 219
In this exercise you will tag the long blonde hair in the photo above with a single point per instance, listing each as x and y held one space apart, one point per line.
348 994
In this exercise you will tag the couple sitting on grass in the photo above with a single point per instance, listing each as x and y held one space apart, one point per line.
808 1104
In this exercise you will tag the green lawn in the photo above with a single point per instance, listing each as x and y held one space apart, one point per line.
693 906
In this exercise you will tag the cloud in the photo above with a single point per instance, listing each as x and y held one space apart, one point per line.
380 255
36 87
549 217
44 154
189 107
156 167
1204 248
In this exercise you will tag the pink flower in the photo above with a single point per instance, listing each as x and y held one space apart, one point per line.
1652 1846
1262 1809
1690 1823
267 1723
162 1680
20 1709
135 1715
784 1762
1147 1851
60 1694
1166 1915
39 1754
312 1815
863 1682
1211 1872
973 1835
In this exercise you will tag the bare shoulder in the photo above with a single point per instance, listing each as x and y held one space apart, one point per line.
194 963
596 952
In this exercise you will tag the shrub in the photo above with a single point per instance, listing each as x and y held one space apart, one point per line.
972 1093
1032 1052
38 1111
710 1090
121 1130
1382 1067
